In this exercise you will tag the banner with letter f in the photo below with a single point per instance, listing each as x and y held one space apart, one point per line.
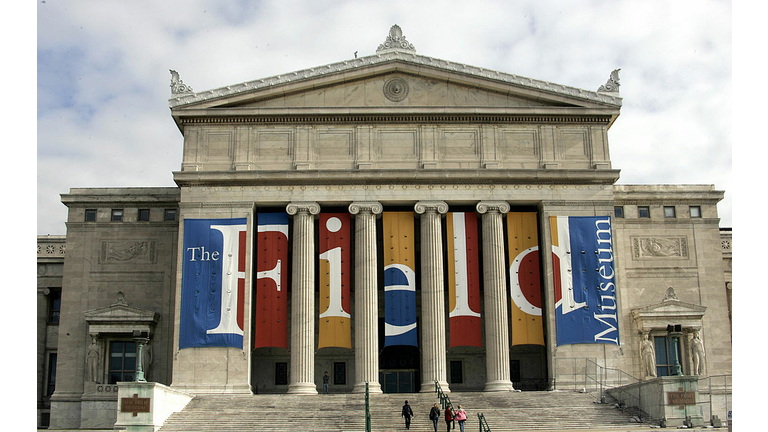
585 288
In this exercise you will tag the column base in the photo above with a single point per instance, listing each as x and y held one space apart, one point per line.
373 388
302 388
499 386
429 387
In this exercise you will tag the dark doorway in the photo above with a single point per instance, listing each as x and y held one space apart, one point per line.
399 369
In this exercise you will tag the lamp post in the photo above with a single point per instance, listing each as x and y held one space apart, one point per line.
141 338
674 332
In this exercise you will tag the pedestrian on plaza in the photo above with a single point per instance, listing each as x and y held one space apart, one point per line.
407 413
434 415
461 416
448 418
326 380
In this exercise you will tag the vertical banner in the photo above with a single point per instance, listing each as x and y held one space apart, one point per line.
271 281
399 279
525 279
334 305
213 283
585 289
463 280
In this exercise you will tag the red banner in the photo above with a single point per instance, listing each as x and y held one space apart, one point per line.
463 280
334 305
271 281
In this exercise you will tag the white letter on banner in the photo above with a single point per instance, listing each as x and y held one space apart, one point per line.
610 328
460 256
516 292
563 252
410 277
273 274
334 306
229 276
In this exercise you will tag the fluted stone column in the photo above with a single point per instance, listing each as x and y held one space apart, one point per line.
303 298
366 297
495 301
433 353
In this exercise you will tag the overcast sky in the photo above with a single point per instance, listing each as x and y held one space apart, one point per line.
103 82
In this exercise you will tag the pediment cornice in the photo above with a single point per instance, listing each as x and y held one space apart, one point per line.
670 311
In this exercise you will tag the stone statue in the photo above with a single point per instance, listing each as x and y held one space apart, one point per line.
92 361
697 354
648 355
146 360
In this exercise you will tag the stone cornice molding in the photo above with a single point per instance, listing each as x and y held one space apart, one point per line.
387 56
372 207
310 207
440 207
502 207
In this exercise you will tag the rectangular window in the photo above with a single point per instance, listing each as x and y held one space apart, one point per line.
117 215
143 214
669 211
54 306
170 214
339 373
122 361
457 374
514 370
643 212
90 215
618 211
281 373
51 387
664 355
695 211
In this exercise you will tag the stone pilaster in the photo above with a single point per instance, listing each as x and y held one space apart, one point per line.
495 301
303 298
432 296
366 297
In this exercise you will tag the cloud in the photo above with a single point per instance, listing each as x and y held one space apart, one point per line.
103 80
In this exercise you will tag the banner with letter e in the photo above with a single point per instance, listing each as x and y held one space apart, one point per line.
585 287
213 283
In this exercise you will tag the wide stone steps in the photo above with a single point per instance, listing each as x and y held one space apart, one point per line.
513 411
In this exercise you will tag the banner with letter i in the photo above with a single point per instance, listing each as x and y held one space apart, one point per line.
334 305
213 283
525 279
271 281
399 279
463 280
585 288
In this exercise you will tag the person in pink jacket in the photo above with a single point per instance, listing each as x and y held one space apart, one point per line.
461 417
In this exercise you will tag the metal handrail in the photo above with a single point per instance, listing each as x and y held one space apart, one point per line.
445 401
367 409
483 423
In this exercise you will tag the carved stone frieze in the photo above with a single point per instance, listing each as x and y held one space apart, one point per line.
396 89
659 247
123 251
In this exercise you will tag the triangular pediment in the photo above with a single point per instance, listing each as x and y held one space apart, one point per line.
120 319
395 80
669 311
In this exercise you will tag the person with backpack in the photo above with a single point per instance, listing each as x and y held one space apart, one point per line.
434 415
461 416
407 413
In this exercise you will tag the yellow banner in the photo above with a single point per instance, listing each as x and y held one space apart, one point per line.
525 279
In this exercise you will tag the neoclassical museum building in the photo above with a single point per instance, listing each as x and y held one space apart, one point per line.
393 219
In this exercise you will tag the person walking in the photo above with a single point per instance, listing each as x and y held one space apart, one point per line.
434 415
407 413
448 418
461 416
326 380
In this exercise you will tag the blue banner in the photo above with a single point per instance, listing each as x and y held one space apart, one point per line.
213 283
399 280
585 288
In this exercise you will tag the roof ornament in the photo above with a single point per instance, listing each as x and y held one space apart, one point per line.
396 40
612 85
177 85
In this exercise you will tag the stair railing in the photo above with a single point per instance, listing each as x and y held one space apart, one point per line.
367 409
445 401
483 424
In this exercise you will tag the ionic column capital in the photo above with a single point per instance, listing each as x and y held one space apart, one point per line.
310 207
421 207
492 206
366 206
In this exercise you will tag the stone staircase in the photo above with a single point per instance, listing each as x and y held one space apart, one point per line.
516 411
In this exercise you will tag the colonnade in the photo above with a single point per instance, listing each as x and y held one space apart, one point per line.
433 349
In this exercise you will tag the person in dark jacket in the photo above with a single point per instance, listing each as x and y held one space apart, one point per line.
448 418
407 413
434 415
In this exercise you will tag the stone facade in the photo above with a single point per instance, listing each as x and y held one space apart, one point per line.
393 131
